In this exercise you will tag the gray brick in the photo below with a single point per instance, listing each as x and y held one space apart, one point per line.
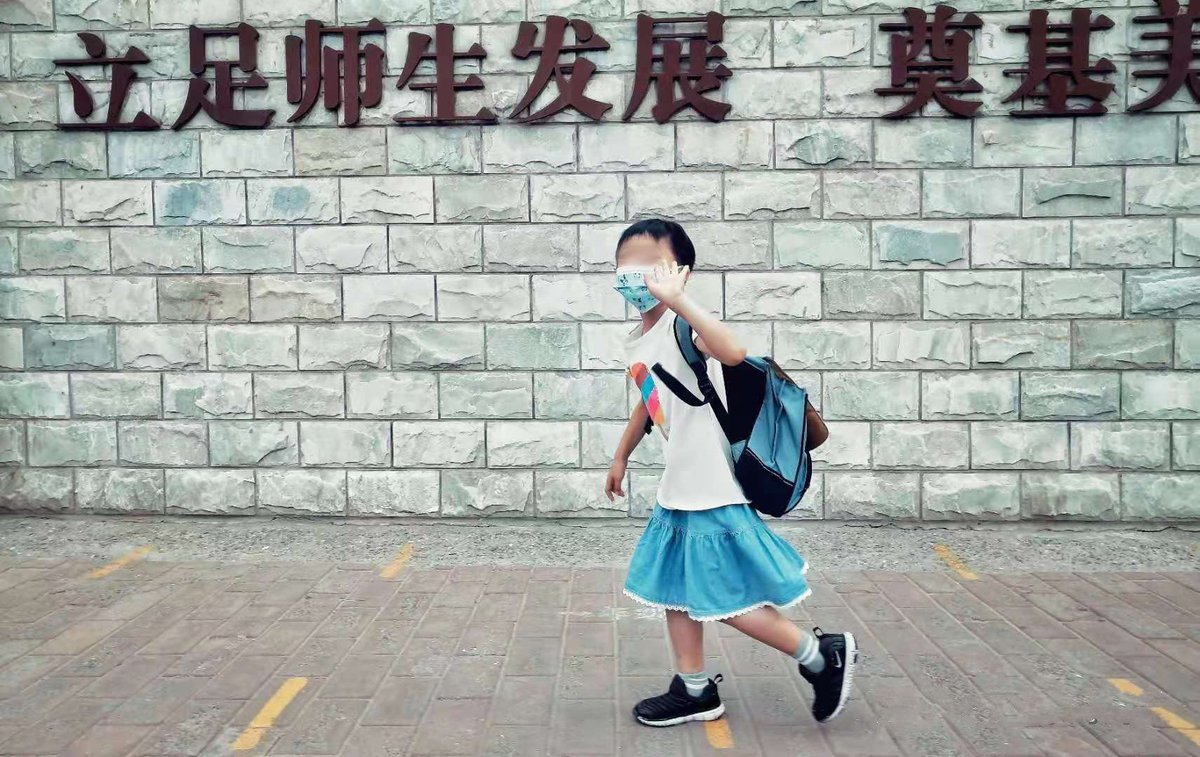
804 42
919 445
728 145
163 443
684 196
1163 293
872 194
119 491
302 492
59 155
232 250
1027 344
1063 395
537 346
826 345
1020 244
69 347
1162 190
475 493
1122 243
848 446
293 201
165 250
533 444
62 251
1158 496
757 296
344 346
8 250
436 248
116 395
921 244
1122 344
393 199
247 153
772 195
210 492
34 490
575 297
1126 139
12 348
437 346
578 197
737 245
375 394
522 149
12 443
975 395
27 15
164 13
579 396
166 347
466 199
1019 445
971 193
940 142
32 298
28 105
1185 445
486 395
111 299
601 345
353 444
774 94
1073 294
1007 141
207 395
972 294
1133 445
434 151
909 344
600 440
295 298
394 297
307 395
202 298
29 203
1170 395
485 298
822 244
1187 242
437 444
526 247
331 250
871 496
970 496
1187 344
393 493
325 152
1072 192
253 443
1070 496
61 443
166 155
203 202
878 395
822 144
563 494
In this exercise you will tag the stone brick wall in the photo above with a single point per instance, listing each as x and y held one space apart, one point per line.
998 315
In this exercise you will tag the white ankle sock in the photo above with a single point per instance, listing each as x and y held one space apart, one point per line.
808 653
695 682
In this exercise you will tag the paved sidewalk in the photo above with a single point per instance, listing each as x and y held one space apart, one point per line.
164 658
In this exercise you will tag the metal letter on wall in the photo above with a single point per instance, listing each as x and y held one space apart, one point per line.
1179 54
929 61
220 106
1058 71
663 62
570 78
351 77
123 77
445 86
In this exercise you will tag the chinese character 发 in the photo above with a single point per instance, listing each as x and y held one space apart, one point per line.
1179 53
444 85
220 107
570 78
352 77
929 61
1057 76
123 77
676 66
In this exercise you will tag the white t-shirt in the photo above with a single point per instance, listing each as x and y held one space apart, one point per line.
699 466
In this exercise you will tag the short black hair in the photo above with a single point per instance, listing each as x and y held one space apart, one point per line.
659 228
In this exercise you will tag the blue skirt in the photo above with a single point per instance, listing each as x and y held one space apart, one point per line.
714 564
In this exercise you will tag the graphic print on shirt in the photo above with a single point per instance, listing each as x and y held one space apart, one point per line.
645 382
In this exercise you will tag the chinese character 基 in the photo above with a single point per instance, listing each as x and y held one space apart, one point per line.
674 66
1179 53
444 85
570 78
123 77
220 107
351 77
929 61
1059 68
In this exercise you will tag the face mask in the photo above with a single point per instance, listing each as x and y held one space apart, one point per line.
631 283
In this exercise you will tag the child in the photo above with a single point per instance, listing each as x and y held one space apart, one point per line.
705 554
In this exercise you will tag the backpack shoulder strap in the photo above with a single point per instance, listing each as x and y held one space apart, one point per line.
699 365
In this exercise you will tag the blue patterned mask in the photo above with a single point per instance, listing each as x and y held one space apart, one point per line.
631 283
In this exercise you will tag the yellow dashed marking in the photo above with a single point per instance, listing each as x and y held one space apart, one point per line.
1126 686
954 562
267 715
718 733
133 556
395 566
1185 727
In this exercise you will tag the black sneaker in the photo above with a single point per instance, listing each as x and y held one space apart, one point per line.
831 687
678 706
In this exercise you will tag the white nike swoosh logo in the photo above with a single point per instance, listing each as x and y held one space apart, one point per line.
837 659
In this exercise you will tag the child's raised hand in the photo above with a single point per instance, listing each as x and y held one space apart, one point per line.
666 281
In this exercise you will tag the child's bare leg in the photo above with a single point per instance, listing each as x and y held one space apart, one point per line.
768 625
687 641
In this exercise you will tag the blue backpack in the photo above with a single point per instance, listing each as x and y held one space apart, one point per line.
766 423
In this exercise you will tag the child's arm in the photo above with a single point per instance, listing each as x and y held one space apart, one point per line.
634 431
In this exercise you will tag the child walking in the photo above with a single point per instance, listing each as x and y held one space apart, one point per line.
705 554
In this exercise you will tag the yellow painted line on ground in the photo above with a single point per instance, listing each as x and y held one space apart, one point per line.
270 711
1185 727
954 562
718 733
121 562
1126 686
395 566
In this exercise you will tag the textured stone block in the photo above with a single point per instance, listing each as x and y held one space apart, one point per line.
872 194
12 443
1019 445
483 298
306 395
199 202
773 94
828 345
166 250
601 439
533 444
822 144
391 395
1160 395
435 151
253 443
28 105
396 199
12 348
108 203
437 346
167 13
1162 190
577 197
579 396
1126 139
437 444
252 347
804 42
933 143
231 250
302 492
327 152
295 298
202 298
527 247
576 297
921 244
683 196
465 199
210 492
393 493
1020 244
563 494
1072 294
167 155
64 251
344 347
735 245
970 496
486 395
29 203
963 295
879 395
822 244
1072 192
778 295
1163 293
521 149
32 298
975 395
159 348
871 496
1185 446
60 155
65 443
1122 344
112 299
27 15
163 443
979 193
1187 344
345 444
920 445
768 195
1028 344
436 248
727 145
1187 242
332 250
477 493
116 395
848 446
33 490
1159 496
69 347
396 297
1131 446
1070 496
1004 141
911 344
8 250
207 395
292 201
1063 395
537 346
1123 242
119 491
602 345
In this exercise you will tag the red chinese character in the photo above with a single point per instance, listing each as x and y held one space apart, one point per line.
675 66
929 61
123 77
352 78
220 107
1179 53
445 86
570 78
1065 74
